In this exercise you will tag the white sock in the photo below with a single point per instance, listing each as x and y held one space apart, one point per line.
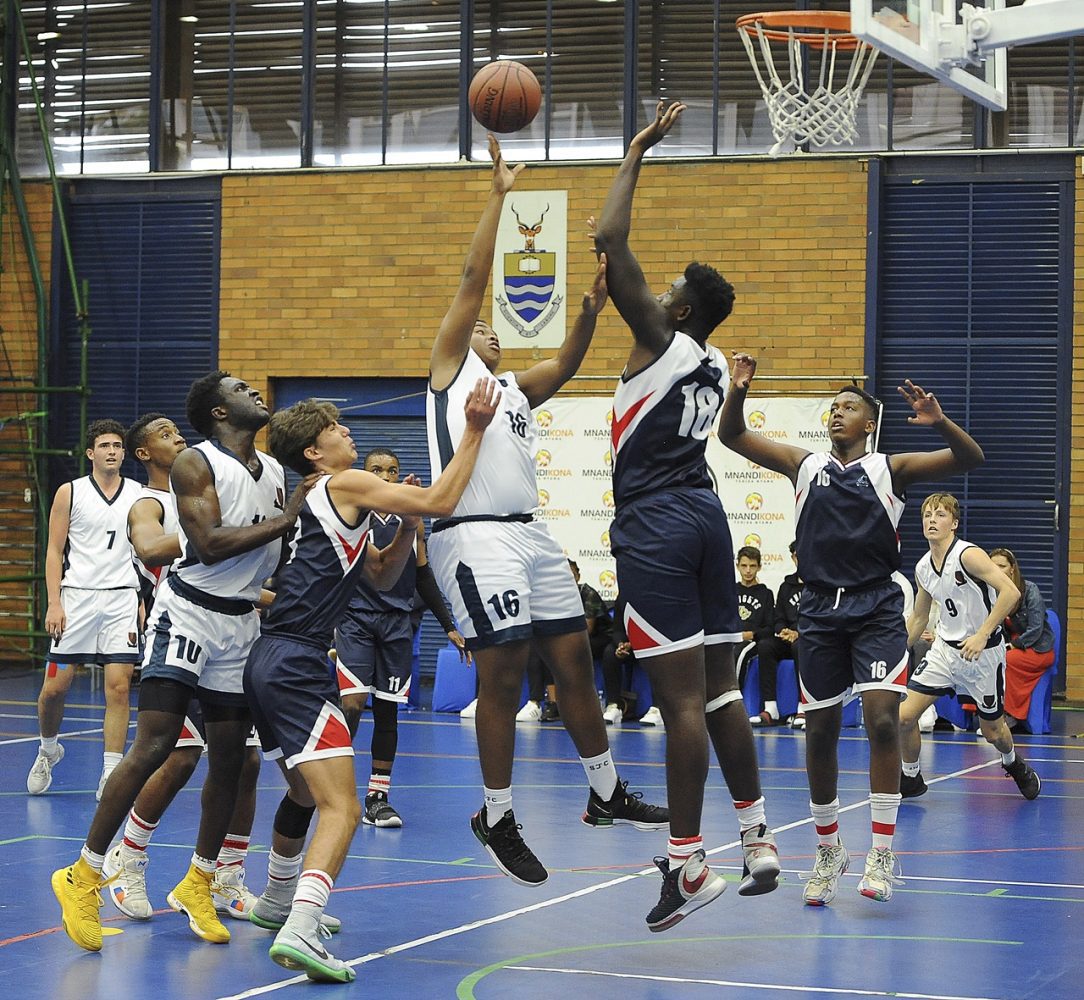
282 872
601 774
826 822
883 807
138 833
1008 758
498 802
50 745
205 865
680 849
772 708
750 814
110 761
911 768
310 898
234 850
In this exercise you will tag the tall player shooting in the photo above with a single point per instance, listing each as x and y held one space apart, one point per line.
681 604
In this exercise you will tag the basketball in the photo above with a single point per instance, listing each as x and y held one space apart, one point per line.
504 96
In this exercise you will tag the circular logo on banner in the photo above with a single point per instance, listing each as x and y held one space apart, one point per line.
608 459
608 498
543 418
543 498
757 419
542 459
752 539
754 501
825 417
605 538
609 417
607 579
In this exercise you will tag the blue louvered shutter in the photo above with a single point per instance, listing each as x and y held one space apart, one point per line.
150 254
972 304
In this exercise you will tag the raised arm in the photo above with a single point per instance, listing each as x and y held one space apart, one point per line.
453 337
783 458
383 567
962 454
201 517
59 522
978 564
542 380
147 533
640 309
356 490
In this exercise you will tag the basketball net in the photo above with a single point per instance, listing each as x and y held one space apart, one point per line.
812 73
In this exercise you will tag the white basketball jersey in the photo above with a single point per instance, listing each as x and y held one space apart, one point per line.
97 555
155 575
243 498
503 481
965 602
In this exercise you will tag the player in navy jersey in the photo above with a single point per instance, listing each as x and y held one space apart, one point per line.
232 516
507 578
294 698
681 606
374 645
851 634
968 651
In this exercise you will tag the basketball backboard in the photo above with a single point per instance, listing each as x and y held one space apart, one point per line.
929 36
963 43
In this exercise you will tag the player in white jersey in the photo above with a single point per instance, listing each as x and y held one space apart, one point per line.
507 579
968 651
681 602
93 593
233 515
155 442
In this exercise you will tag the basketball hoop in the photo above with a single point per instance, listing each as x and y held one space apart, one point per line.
817 99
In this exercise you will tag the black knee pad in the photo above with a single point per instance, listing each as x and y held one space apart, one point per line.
158 694
291 820
385 729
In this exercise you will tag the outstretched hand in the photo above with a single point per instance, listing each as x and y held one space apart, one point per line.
595 297
504 176
592 232
482 403
927 409
743 369
665 119
297 498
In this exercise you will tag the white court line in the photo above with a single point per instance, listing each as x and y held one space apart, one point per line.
60 736
545 904
748 986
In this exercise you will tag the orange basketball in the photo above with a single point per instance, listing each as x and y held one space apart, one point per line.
504 96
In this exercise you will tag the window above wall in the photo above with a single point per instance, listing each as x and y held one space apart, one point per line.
167 85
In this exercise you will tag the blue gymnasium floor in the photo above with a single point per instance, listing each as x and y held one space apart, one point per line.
993 883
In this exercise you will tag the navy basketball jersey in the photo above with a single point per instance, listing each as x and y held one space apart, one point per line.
382 529
662 418
321 574
847 519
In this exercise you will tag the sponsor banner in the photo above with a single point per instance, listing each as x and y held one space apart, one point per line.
529 289
575 489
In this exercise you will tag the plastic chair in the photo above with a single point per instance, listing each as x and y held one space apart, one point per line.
1038 720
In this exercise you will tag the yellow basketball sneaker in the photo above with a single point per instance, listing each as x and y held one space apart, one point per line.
78 890
192 896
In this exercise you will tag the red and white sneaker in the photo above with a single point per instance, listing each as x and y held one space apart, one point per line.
684 890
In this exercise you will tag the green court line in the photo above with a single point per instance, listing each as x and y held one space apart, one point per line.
465 989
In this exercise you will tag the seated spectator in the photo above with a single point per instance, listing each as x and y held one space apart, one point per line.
542 694
781 645
1029 651
756 608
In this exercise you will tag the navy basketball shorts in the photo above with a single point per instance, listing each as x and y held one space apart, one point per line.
850 642
943 670
295 701
375 654
674 571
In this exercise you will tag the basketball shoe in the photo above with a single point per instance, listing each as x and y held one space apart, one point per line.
192 896
272 909
41 772
299 946
912 787
624 807
125 873
821 884
1026 779
760 872
684 890
230 894
505 846
379 811
78 889
882 873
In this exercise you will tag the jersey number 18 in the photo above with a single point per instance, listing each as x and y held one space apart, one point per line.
701 405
